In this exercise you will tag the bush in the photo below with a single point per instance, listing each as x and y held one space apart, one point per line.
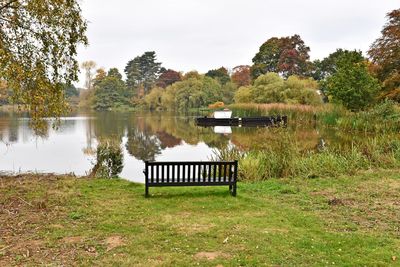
109 159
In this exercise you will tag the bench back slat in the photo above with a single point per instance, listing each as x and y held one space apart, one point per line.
209 172
224 176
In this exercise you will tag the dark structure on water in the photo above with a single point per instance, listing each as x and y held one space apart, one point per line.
247 122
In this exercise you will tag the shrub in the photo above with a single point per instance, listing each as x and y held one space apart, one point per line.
109 159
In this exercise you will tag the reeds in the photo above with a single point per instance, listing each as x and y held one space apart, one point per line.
286 159
382 118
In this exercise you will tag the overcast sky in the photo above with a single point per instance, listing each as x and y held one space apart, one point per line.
207 34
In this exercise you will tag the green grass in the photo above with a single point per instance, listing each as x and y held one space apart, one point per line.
347 221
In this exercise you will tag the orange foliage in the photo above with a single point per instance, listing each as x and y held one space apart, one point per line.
241 75
216 105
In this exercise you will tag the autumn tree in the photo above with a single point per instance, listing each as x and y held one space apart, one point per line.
4 93
88 67
286 56
241 75
385 52
100 75
142 72
86 97
168 77
38 46
221 75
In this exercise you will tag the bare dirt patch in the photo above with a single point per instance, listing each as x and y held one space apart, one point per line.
335 201
72 239
114 242
211 255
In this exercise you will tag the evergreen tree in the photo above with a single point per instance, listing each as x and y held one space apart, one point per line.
110 92
142 72
221 75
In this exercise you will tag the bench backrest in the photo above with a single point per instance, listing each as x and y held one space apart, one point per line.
191 173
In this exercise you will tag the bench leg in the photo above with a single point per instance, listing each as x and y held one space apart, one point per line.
234 190
146 194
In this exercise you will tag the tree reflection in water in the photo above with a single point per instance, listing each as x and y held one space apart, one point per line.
142 145
145 135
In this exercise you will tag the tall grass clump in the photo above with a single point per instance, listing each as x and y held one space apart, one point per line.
277 107
329 163
331 115
264 161
228 153
382 118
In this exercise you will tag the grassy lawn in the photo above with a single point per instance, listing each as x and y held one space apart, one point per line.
353 221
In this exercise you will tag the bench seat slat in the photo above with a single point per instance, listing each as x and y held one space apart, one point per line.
189 184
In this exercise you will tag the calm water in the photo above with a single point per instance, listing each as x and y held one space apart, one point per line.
143 136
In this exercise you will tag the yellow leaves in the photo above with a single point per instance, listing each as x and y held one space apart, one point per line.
37 53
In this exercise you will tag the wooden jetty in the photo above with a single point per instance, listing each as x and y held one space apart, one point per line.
246 122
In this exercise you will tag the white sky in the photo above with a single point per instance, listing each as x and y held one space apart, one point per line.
207 34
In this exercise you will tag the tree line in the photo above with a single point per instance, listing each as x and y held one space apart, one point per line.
281 72
38 66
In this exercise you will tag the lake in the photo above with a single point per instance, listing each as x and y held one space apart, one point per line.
143 135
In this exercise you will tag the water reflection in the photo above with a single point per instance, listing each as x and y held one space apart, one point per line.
71 147
143 136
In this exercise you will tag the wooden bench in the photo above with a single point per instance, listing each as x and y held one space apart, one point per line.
191 173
